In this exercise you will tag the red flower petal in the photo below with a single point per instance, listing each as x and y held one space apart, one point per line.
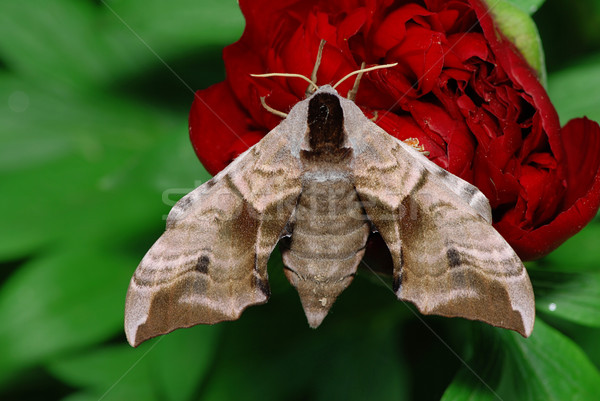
517 68
218 127
581 142
392 31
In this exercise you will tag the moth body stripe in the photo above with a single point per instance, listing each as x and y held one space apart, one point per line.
327 255
326 236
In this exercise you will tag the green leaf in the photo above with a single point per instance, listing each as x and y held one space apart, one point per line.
180 363
89 164
62 302
274 341
521 30
570 296
528 6
93 194
574 90
161 24
478 379
93 45
546 366
587 339
506 366
336 381
168 368
71 58
84 170
81 397
113 373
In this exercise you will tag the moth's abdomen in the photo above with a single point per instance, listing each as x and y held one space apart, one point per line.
328 239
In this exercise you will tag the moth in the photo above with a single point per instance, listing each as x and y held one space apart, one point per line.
320 183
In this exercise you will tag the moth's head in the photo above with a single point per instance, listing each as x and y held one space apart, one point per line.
324 89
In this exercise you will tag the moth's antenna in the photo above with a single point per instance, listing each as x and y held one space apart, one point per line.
280 74
352 93
313 76
362 70
285 74
312 85
312 82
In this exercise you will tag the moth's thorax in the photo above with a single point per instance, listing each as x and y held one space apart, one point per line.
327 159
326 134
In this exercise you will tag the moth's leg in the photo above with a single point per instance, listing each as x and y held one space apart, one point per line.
414 142
270 109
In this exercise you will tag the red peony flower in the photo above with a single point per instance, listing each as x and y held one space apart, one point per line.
460 87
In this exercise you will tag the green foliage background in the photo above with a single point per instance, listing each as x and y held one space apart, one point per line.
94 98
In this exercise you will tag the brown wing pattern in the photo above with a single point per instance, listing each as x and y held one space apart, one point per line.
210 264
448 259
